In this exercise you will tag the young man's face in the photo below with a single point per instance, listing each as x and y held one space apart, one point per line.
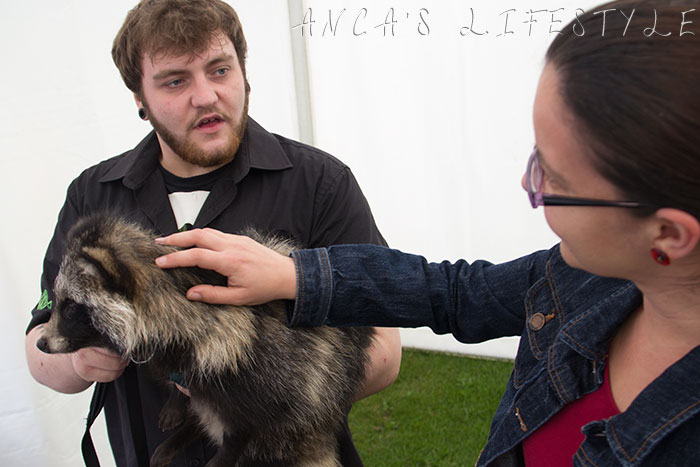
198 106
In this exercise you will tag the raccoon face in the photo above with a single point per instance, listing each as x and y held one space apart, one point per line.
69 329
88 302
110 293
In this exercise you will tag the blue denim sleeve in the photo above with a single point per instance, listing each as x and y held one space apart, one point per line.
369 285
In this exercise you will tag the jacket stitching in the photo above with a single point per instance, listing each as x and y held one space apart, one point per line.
564 331
555 292
554 376
651 436
600 355
303 288
327 280
583 457
560 387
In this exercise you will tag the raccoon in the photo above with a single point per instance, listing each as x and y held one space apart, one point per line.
260 390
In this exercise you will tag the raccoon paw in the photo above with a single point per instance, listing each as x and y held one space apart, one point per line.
170 419
161 457
168 450
174 411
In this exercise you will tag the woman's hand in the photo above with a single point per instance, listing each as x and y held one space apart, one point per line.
255 273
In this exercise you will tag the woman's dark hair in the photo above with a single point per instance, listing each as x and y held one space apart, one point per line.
634 91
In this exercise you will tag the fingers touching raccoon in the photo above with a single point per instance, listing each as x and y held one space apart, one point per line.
255 274
98 364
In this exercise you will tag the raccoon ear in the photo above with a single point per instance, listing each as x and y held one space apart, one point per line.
114 274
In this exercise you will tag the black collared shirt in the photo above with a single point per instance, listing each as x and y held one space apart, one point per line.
274 184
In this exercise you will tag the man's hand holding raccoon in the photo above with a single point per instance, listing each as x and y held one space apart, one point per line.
71 372
256 274
98 364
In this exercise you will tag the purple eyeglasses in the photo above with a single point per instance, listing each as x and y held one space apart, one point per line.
533 183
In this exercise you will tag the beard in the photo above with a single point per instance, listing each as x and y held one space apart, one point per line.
190 152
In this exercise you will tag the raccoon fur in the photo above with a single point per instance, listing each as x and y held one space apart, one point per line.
259 390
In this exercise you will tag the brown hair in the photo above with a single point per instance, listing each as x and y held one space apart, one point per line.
180 27
634 94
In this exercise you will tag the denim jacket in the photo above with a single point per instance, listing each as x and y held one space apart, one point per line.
565 317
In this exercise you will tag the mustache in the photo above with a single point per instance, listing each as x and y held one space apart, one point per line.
208 114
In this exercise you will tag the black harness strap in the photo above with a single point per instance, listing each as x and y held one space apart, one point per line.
96 404
133 402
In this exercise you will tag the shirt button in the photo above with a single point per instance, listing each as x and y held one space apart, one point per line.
537 321
195 463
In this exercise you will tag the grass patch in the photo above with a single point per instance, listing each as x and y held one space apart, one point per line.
437 413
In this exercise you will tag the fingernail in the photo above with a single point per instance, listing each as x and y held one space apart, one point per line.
160 240
160 261
195 296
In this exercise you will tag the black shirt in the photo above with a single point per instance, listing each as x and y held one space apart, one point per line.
274 184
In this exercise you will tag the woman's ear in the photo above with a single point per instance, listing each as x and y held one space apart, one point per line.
677 232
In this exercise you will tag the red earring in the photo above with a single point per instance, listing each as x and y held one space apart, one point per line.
660 257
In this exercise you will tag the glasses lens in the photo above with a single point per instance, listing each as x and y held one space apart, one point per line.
533 179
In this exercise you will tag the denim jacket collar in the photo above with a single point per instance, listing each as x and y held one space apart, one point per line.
606 316
678 387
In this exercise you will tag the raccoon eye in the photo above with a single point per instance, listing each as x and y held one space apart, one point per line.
73 309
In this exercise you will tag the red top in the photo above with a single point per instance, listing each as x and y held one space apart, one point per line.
556 442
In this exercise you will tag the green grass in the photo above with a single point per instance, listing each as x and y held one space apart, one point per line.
437 413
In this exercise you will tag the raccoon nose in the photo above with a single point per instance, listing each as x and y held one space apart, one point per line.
43 344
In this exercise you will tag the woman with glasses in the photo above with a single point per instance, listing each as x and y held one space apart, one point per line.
608 369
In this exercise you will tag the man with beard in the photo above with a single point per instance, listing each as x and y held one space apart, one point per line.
206 164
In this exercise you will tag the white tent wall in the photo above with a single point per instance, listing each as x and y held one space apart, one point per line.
434 120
